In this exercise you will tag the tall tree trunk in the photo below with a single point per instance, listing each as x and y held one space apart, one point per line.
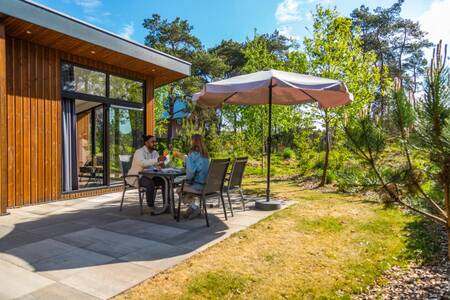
327 150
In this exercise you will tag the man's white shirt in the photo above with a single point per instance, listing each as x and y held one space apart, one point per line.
142 159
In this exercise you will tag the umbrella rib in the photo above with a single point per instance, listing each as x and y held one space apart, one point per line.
309 95
227 98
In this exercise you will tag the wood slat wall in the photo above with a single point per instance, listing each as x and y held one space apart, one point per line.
34 136
3 125
30 150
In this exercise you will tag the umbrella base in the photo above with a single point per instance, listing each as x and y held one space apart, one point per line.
267 205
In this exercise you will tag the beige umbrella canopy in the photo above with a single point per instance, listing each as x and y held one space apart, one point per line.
287 89
273 87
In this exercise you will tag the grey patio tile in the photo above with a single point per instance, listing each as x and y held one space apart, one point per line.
104 242
57 291
6 230
16 282
198 238
44 221
98 219
17 238
58 229
62 266
25 256
243 220
105 281
144 230
159 256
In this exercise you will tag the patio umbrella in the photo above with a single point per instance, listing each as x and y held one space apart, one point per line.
273 87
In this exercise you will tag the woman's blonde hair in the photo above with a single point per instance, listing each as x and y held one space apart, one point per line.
198 145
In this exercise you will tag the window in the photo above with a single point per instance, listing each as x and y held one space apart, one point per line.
126 89
126 128
81 80
103 118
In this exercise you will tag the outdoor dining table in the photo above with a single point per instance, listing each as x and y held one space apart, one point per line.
168 176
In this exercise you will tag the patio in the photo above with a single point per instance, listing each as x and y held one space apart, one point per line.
87 249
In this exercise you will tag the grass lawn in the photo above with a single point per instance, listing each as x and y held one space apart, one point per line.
327 245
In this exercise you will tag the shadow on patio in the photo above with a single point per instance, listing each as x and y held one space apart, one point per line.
86 247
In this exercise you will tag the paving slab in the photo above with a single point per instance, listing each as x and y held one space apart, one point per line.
17 238
159 256
58 229
106 281
27 255
57 291
104 242
144 229
67 264
17 282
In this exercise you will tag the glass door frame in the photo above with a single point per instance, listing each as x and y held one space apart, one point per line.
106 102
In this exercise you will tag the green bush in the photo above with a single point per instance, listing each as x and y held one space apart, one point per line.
288 153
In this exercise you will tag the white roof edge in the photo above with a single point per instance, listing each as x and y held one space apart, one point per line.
41 15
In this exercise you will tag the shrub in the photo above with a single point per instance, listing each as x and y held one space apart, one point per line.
288 153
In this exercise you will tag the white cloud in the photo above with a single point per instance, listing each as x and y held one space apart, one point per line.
435 20
288 11
88 5
309 16
288 31
127 31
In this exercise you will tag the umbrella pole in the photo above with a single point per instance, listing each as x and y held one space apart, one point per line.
268 204
269 144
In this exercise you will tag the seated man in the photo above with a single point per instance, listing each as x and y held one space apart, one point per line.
143 158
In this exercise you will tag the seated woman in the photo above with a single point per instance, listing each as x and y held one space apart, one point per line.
197 163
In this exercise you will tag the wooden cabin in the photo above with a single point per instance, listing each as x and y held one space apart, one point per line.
73 97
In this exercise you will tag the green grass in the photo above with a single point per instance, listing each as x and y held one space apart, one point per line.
326 246
323 224
219 285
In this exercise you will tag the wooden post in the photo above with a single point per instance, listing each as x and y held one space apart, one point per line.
3 123
150 106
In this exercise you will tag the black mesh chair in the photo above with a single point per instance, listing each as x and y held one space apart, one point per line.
234 180
125 165
213 186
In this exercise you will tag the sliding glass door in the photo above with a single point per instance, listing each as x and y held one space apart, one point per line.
90 145
125 136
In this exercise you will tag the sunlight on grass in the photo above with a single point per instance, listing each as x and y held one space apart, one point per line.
324 224
327 245
219 285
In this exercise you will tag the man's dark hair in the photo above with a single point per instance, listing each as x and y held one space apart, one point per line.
147 137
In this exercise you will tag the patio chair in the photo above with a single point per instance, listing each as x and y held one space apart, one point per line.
213 187
125 165
234 180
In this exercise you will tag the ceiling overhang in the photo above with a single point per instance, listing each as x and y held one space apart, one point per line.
42 25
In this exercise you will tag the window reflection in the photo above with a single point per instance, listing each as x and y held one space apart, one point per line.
81 80
126 89
126 128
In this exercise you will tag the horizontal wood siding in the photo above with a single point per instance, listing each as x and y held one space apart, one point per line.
30 122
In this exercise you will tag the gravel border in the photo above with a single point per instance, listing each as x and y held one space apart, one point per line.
417 281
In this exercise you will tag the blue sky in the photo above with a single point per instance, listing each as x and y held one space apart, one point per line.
215 20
